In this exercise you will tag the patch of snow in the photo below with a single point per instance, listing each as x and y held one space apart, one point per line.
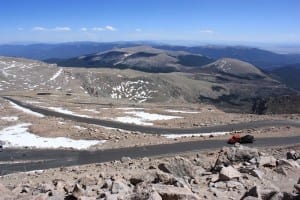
133 120
182 111
10 119
32 102
91 110
18 136
130 108
25 110
79 127
127 54
172 136
56 74
35 172
143 118
65 111
150 116
11 66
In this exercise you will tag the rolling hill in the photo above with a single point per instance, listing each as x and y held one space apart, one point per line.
143 58
235 68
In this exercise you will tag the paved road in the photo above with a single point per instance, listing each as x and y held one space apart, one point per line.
63 158
157 130
44 159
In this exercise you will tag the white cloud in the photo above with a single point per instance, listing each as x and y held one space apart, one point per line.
138 30
65 28
98 29
207 31
39 28
110 28
58 28
83 29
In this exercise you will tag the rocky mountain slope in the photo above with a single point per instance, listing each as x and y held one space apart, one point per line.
235 90
235 68
143 58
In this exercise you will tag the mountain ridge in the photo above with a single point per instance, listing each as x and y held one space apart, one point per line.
264 59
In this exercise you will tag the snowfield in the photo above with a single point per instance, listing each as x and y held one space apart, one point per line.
18 136
137 91
25 110
143 118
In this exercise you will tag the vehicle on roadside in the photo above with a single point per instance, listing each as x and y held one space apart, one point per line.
242 140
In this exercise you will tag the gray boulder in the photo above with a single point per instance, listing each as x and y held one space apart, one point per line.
228 173
267 161
171 192
87 181
264 194
235 154
145 191
292 155
257 173
120 186
297 187
178 167
78 191
288 163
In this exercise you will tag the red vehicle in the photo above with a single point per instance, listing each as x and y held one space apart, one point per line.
243 140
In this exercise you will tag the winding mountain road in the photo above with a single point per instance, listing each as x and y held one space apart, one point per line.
11 159
158 130
16 160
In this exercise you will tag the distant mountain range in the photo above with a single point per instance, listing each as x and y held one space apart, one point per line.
154 57
263 59
61 50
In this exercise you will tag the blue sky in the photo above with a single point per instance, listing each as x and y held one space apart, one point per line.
267 21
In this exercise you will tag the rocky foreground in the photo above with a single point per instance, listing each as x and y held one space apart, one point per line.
236 172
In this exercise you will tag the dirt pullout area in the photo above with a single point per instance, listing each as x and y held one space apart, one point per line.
236 172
